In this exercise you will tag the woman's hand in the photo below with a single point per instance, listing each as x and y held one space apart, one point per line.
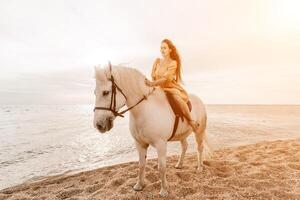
156 82
149 83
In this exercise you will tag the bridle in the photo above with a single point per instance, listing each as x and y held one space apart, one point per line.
114 88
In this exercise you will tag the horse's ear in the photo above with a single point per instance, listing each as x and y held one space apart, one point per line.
110 67
95 70
110 70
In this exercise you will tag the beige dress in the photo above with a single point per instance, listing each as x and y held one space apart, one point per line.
168 72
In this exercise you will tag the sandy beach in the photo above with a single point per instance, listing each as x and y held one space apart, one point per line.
266 170
256 156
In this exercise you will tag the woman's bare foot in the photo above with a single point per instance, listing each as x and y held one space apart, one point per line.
194 124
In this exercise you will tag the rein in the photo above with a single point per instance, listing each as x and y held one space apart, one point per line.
114 88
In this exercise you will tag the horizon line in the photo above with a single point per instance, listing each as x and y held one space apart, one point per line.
208 104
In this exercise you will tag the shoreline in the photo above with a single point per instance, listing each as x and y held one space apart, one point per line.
262 170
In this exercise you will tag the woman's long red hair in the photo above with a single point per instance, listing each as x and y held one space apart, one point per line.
175 56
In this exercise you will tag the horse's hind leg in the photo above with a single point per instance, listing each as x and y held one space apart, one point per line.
199 136
142 150
184 145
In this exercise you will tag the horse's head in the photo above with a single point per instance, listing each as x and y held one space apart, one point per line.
108 99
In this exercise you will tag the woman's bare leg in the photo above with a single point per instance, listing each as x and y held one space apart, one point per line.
184 107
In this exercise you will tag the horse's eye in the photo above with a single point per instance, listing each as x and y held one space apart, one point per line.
106 92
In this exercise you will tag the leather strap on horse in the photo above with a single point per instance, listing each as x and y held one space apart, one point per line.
112 106
144 98
114 88
177 111
174 127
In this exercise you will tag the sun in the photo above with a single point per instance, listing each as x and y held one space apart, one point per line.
284 15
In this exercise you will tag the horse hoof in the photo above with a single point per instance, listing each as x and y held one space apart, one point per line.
178 166
200 168
138 187
163 193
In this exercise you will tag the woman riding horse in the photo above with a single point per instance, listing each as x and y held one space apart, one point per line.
166 73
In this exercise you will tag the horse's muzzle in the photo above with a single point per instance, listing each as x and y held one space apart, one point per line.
101 128
104 127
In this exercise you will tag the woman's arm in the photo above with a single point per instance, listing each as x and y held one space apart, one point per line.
156 82
168 75
171 71
159 81
153 76
154 68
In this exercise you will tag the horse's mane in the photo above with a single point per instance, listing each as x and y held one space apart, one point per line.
128 78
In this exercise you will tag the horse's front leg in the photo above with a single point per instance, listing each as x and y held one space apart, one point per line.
162 155
142 150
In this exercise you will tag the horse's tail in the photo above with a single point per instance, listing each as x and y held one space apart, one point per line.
207 150
201 133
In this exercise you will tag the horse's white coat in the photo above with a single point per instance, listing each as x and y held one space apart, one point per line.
151 122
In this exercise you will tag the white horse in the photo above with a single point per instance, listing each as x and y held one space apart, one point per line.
151 117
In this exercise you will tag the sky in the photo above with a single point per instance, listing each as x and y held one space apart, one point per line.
233 51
